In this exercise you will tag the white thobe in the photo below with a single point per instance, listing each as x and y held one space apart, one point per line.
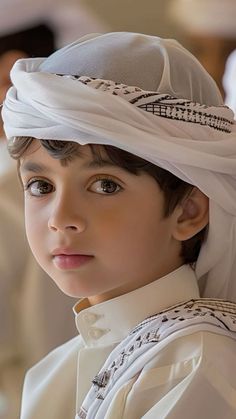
193 375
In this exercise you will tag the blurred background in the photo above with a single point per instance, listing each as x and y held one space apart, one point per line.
34 316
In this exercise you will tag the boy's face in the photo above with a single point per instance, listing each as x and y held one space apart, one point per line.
97 230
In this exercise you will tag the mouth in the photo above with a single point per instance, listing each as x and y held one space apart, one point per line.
66 259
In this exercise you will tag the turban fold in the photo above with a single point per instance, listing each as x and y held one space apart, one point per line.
152 98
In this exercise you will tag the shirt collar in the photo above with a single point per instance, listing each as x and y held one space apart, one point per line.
111 321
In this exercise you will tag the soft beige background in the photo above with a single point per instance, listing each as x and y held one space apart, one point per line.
148 16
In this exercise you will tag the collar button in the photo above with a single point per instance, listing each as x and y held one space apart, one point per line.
90 318
95 333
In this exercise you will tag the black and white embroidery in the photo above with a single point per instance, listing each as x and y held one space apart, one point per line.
163 105
82 414
194 308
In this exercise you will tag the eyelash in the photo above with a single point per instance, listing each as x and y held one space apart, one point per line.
43 182
32 182
107 179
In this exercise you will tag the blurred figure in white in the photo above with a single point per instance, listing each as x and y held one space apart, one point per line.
211 30
229 82
69 19
34 316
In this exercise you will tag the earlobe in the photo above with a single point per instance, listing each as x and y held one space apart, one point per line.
192 215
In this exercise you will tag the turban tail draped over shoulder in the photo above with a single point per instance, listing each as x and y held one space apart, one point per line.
150 97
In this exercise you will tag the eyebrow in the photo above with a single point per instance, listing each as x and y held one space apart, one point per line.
94 164
31 166
34 167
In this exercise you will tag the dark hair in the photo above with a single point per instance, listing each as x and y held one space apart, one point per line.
36 41
174 189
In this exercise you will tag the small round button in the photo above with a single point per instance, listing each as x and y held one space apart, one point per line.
90 318
95 333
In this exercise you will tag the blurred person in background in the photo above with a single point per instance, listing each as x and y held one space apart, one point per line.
69 19
210 30
229 82
34 316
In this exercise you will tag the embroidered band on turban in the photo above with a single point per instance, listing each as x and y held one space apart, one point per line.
139 93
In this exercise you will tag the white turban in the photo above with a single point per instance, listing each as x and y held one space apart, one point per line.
211 17
194 141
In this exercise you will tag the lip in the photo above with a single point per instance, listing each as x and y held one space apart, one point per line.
65 258
71 261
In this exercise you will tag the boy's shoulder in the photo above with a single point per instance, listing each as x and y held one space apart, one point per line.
62 357
50 386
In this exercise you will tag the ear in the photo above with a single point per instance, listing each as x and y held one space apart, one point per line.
192 215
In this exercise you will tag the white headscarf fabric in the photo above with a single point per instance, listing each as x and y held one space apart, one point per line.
45 104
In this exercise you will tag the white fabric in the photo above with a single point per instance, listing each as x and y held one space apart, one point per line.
191 374
229 82
68 18
45 105
205 17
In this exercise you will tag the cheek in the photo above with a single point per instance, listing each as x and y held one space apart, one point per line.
148 238
35 228
133 233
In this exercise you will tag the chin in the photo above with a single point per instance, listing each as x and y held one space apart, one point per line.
74 289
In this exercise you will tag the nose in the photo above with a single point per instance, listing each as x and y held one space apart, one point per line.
66 216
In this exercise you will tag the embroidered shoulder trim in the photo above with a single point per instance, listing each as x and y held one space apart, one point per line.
194 306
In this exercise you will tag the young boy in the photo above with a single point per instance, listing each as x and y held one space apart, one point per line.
127 158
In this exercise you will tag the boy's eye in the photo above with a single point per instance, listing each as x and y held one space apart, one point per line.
39 187
105 186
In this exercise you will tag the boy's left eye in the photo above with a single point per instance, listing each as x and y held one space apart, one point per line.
105 186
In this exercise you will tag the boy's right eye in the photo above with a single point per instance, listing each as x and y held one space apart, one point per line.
39 187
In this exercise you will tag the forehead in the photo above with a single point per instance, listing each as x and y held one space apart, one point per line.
62 154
